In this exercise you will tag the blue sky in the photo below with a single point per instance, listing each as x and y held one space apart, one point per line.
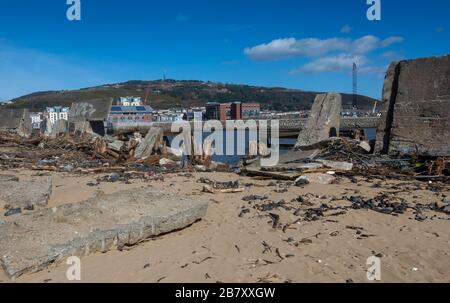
303 44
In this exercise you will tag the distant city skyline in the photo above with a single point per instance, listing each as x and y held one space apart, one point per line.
308 45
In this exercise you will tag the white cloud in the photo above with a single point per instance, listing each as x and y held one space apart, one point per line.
291 47
331 64
391 40
346 29
314 47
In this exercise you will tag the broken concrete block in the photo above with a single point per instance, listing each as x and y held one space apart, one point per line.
301 181
81 127
218 167
173 153
416 108
152 141
308 165
90 116
116 145
17 120
103 223
92 110
324 122
344 166
208 189
60 127
168 163
365 146
263 150
200 168
22 193
253 148
165 161
316 178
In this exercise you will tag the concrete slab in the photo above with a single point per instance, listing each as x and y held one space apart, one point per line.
16 120
36 240
316 178
324 122
61 127
151 142
92 110
20 193
342 166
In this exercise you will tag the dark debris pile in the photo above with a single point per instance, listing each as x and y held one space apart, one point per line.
310 207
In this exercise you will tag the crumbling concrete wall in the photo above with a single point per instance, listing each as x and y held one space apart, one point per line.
416 108
324 121
95 110
60 127
17 120
94 113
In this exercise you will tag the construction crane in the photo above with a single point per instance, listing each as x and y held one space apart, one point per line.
147 93
355 86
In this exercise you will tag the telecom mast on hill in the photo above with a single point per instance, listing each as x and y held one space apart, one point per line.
355 86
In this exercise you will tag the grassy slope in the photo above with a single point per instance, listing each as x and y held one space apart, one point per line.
183 94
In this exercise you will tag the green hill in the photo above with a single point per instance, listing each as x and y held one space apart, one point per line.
183 94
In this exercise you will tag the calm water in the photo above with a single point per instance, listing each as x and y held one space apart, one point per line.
236 157
285 145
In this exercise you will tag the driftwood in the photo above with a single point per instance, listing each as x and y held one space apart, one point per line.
232 190
271 175
100 170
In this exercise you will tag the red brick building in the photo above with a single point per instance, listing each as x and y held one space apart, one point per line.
236 111
232 111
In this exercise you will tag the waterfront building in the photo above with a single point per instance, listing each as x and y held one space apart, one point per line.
57 113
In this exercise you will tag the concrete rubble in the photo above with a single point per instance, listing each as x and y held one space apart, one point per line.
89 116
152 141
343 166
416 108
324 121
412 139
16 120
97 225
316 178
59 128
415 122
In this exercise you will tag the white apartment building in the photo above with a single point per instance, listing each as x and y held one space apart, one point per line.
130 101
57 113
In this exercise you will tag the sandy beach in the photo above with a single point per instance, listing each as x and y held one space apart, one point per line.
238 241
